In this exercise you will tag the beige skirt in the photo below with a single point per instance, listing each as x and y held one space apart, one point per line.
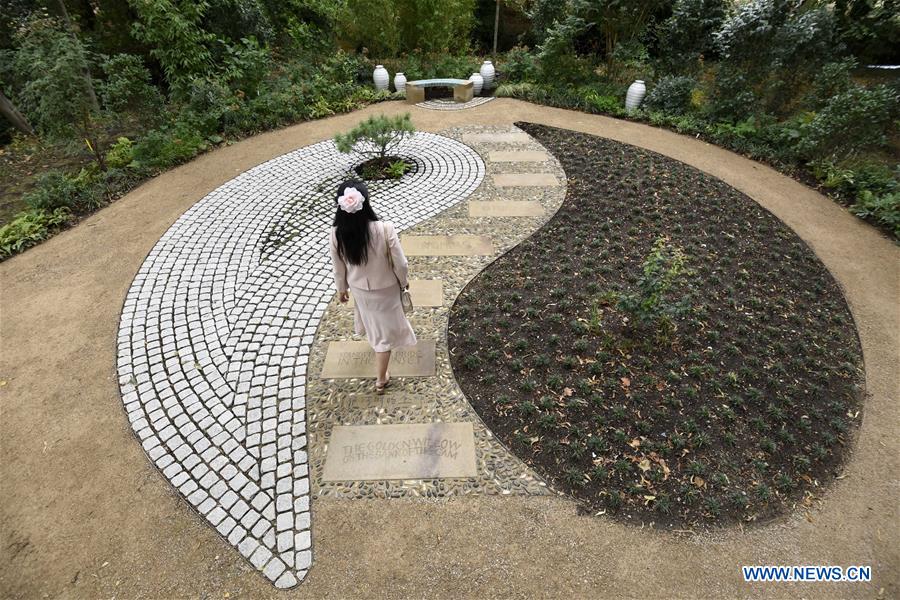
378 314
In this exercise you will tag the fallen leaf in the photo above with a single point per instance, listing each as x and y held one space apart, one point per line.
568 392
644 465
698 481
635 443
626 382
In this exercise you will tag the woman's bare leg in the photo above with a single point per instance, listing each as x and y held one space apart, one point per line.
381 362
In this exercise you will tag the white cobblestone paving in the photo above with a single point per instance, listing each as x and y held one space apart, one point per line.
216 329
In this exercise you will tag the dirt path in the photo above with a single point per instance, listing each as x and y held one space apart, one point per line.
85 514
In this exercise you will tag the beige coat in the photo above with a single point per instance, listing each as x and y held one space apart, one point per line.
376 273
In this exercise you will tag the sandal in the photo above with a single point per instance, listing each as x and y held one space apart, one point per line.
379 389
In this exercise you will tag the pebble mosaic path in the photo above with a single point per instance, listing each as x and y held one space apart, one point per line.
334 402
216 330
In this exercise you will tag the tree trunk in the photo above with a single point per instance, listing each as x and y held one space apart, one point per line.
88 84
15 118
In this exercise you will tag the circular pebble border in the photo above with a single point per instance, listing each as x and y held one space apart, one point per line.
449 104
216 330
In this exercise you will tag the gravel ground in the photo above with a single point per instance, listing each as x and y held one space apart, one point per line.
83 513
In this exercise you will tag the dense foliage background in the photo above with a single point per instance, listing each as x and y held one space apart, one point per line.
100 94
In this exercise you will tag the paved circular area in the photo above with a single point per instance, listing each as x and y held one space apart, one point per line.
449 104
215 334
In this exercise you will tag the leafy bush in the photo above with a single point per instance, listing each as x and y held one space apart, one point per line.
56 190
244 65
596 102
174 33
671 94
883 209
832 80
435 25
850 122
377 136
849 178
519 65
543 14
388 27
661 269
769 50
30 227
688 33
128 87
48 69
356 26
120 154
168 146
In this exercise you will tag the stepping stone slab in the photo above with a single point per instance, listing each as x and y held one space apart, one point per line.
406 451
446 245
511 137
357 359
518 156
506 208
526 180
424 292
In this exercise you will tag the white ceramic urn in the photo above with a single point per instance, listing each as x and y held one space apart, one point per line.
381 78
400 83
477 83
487 74
635 94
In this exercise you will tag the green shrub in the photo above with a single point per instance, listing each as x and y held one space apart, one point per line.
129 88
850 122
30 227
649 304
769 50
174 32
47 75
610 105
883 209
688 33
851 178
832 80
519 64
377 136
161 148
671 95
120 154
56 190
245 65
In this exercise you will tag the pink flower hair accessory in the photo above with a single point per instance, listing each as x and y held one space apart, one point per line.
351 200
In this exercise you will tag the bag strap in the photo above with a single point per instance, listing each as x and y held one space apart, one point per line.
390 258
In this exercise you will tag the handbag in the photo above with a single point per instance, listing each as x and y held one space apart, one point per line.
405 298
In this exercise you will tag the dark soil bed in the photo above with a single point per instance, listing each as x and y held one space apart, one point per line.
743 411
376 169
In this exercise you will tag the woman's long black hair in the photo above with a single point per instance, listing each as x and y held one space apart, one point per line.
353 228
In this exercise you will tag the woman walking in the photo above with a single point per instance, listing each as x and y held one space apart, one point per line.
368 259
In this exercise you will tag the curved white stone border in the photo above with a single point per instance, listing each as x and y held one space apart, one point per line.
451 105
215 334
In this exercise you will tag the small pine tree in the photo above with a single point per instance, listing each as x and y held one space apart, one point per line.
376 137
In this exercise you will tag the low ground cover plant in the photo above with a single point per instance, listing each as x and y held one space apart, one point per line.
743 406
